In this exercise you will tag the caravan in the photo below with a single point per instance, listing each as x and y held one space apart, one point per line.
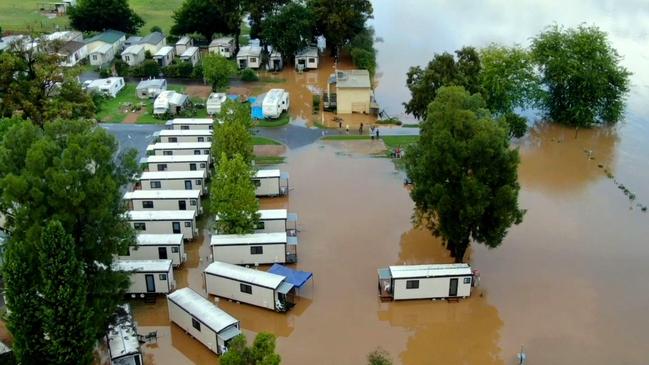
147 276
173 180
275 103
164 222
179 148
214 103
159 199
425 281
255 248
158 247
270 182
108 87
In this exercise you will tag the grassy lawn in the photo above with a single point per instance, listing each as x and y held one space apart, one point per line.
410 126
399 141
263 141
281 121
110 108
345 138
269 160
155 12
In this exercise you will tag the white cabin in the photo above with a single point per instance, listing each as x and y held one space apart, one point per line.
307 59
271 182
164 222
241 284
255 248
170 102
275 103
121 337
102 55
110 86
202 320
158 247
275 62
147 276
223 46
183 136
150 88
176 163
164 56
214 103
249 57
425 281
179 148
173 180
133 55
183 43
191 55
164 200
190 123
275 220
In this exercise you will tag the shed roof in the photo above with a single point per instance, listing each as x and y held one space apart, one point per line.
103 49
154 175
177 158
249 51
142 265
133 39
109 36
353 79
202 309
222 41
184 132
184 40
247 239
192 121
122 334
307 52
429 270
159 239
151 83
241 273
152 38
163 51
162 194
71 47
160 215
179 146
267 173
134 49
189 52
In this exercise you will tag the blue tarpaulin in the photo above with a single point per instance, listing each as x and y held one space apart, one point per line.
295 277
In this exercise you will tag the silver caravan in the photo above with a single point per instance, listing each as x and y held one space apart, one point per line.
147 276
276 220
202 320
158 247
275 103
179 148
176 163
173 180
425 281
256 248
122 338
164 222
190 123
241 284
183 136
270 183
164 200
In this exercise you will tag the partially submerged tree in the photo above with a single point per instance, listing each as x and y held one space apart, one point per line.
464 173
289 30
232 132
340 20
99 15
208 17
379 357
218 70
362 50
581 75
259 11
262 351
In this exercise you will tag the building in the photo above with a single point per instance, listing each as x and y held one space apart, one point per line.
132 40
173 180
170 102
223 46
72 53
275 220
64 36
153 42
158 247
271 182
307 59
425 281
102 56
183 136
151 88
190 123
164 222
249 57
164 200
147 276
176 163
133 55
191 55
164 56
179 148
275 62
183 43
122 338
254 249
214 103
353 92
110 86
114 38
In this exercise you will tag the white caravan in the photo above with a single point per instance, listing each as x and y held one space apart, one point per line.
158 247
183 136
173 180
189 123
110 86
179 148
425 281
176 163
254 249
164 200
122 339
270 183
214 103
275 220
164 222
147 276
275 103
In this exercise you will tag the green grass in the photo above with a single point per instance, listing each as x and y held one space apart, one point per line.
110 108
410 125
156 12
263 141
399 141
345 138
272 80
269 160
281 121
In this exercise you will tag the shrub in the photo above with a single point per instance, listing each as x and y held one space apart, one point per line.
391 120
249 75
105 72
197 72
121 67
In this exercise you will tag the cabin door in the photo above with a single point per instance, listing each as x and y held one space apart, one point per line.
182 205
188 185
452 290
150 283
162 253
175 226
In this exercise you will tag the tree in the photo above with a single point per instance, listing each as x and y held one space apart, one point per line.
515 125
507 78
464 173
379 357
233 197
581 75
362 50
218 70
443 70
232 132
67 171
340 20
208 17
290 30
262 351
99 15
260 10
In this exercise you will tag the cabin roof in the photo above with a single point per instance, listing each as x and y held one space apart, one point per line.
163 51
241 273
249 51
195 121
70 47
184 132
267 173
307 52
160 215
247 239
222 41
177 158
190 51
430 270
142 265
159 239
103 49
94 84
122 334
202 309
134 49
153 175
352 79
109 36
151 83
152 38
162 194
184 40
178 146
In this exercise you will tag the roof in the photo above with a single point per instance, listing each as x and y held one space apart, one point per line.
71 47
184 40
430 270
134 49
249 51
151 83
109 36
257 277
154 175
160 215
269 214
202 309
307 52
103 49
142 265
65 35
179 146
295 277
162 194
217 98
267 173
184 132
353 79
164 51
177 158
273 96
152 38
247 239
274 54
122 334
167 97
159 239
196 121
189 52
133 39
223 41
98 83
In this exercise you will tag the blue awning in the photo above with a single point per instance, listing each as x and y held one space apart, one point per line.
295 277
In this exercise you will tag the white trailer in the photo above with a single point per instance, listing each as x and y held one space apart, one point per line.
173 180
110 86
275 220
255 248
275 103
214 103
183 136
425 281
189 123
147 276
241 284
179 148
164 200
176 163
270 182
158 247
164 222
121 336
202 320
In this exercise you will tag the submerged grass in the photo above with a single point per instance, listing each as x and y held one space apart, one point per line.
263 141
269 160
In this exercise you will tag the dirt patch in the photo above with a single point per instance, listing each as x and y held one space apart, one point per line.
132 117
198 91
269 150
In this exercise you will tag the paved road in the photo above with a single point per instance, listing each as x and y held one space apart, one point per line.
137 136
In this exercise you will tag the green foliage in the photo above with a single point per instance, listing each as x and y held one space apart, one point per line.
148 68
581 75
232 132
99 15
340 20
379 357
105 72
508 78
148 55
464 173
289 30
260 10
249 75
179 70
444 70
262 351
155 28
121 67
197 72
361 49
232 196
207 17
218 70
515 125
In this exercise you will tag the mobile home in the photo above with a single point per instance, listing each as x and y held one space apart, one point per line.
164 200
241 284
306 59
183 43
249 57
179 148
158 247
275 220
150 88
425 281
121 336
256 248
271 183
173 180
190 123
176 163
202 320
223 46
147 276
164 222
191 55
275 103
102 55
170 102
214 103
110 86
275 62
183 136
133 55
164 56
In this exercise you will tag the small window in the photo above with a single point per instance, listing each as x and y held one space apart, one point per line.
192 202
209 139
311 60
94 57
155 184
201 139
206 152
196 324
257 182
202 165
210 127
257 250
467 280
245 288
167 153
184 127
173 139
253 60
261 225
147 204
412 284
139 226
162 167
199 182
188 224
163 277
197 152
175 249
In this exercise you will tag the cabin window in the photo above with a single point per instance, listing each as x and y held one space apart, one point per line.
175 249
199 182
167 153
184 127
163 277
467 280
147 204
197 152
209 139
210 127
139 226
196 324
245 288
261 225
155 184
253 60
188 224
257 182
311 60
206 152
162 167
173 139
201 139
257 250
202 165
412 284
192 202
94 57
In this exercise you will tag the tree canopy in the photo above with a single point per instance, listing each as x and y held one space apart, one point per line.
100 15
232 131
260 10
340 20
262 351
583 81
290 29
465 179
208 17
361 49
217 70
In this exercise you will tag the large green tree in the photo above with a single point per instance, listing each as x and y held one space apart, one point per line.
361 49
218 70
99 15
289 30
208 17
232 131
443 70
340 20
262 351
581 75
464 173
260 10
232 196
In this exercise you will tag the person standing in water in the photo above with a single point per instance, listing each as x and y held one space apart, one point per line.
360 130
377 133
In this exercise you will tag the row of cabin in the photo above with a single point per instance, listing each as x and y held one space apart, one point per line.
250 56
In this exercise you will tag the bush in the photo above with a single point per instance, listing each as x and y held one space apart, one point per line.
178 70
392 120
121 68
148 55
249 75
155 28
316 103
148 68
105 72
197 72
